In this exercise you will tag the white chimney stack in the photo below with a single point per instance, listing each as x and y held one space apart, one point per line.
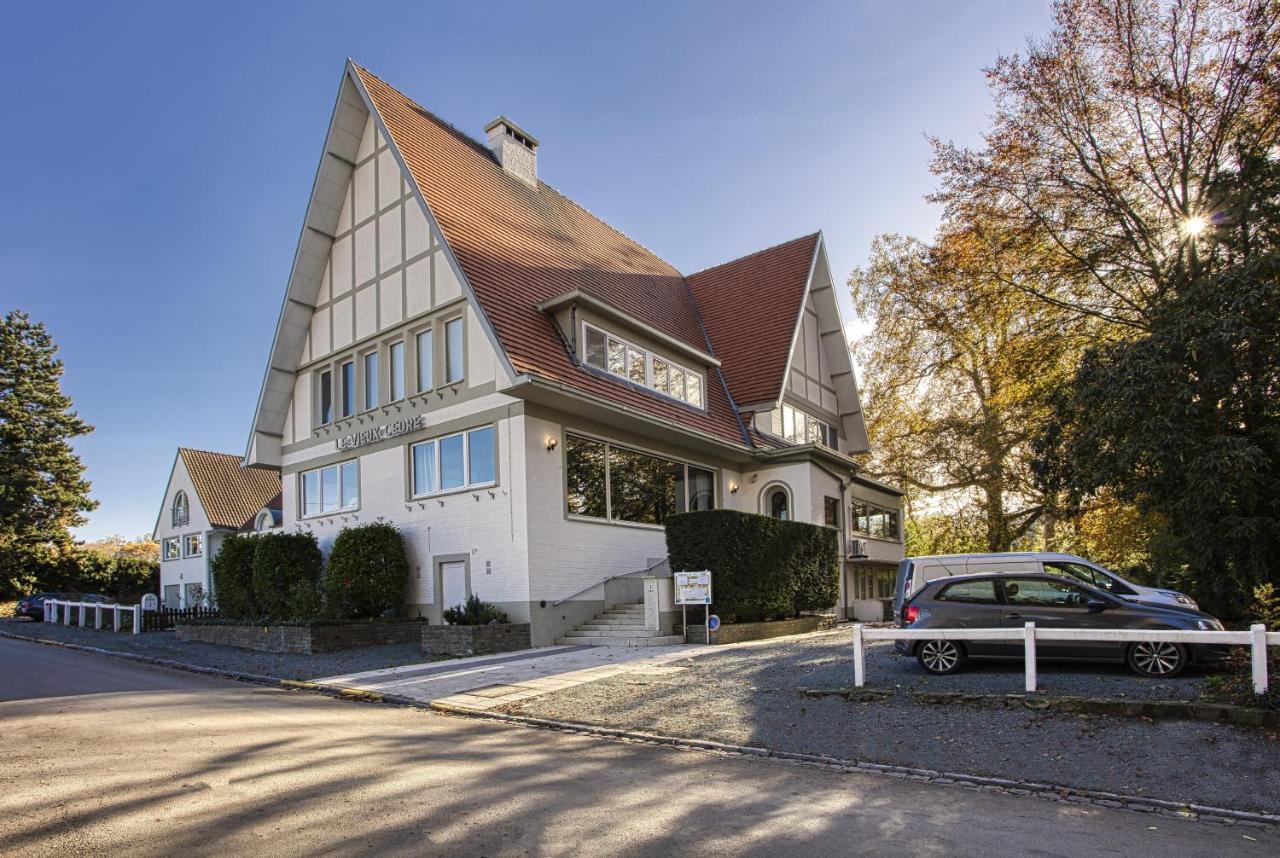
517 150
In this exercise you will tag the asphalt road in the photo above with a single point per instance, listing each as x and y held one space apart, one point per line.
102 755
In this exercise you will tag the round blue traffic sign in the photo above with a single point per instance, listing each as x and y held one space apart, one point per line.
713 622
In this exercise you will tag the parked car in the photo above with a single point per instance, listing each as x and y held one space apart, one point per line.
1005 600
915 572
33 606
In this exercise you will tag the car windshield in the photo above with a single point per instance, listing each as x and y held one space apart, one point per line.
1089 575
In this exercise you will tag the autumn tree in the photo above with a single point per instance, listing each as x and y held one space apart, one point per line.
43 493
958 371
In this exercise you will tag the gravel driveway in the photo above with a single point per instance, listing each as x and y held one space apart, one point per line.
276 665
752 696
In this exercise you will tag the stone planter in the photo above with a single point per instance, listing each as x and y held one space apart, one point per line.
735 632
475 640
307 639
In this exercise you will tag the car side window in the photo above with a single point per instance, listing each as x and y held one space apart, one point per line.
1088 575
1044 593
971 592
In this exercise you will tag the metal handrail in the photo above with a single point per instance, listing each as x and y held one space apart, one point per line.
606 581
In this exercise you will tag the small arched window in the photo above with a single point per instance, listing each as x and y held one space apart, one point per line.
181 514
779 504
265 521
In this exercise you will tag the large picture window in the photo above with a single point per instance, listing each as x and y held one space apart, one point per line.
330 489
873 520
462 460
619 357
614 483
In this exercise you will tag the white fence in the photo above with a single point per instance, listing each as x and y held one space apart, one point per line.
1257 638
51 613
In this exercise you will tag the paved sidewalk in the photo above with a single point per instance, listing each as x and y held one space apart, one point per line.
488 681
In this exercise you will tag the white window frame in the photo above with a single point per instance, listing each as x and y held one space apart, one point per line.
186 541
448 365
649 357
320 415
430 378
394 394
371 393
467 485
799 415
181 510
302 491
172 541
348 385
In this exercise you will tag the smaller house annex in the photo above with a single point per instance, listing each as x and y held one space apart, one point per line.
209 495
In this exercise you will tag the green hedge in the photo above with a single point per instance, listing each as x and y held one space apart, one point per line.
761 568
367 571
233 577
286 575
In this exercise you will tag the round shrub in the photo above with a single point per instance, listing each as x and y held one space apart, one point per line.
286 573
233 577
367 571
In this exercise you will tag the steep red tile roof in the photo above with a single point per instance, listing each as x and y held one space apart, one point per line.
751 306
230 494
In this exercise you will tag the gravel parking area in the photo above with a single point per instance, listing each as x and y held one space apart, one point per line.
276 665
753 696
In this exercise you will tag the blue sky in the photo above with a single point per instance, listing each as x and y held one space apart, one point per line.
159 158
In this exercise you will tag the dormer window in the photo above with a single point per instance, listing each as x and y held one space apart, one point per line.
626 360
798 427
265 521
181 512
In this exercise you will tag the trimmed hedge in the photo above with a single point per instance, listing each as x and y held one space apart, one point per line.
367 571
761 568
286 575
233 577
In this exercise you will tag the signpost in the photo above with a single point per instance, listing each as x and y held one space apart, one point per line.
694 588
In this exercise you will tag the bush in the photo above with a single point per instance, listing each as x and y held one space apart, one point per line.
761 568
286 575
233 577
367 571
474 612
1266 606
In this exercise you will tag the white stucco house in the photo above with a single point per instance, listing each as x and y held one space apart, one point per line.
208 496
527 393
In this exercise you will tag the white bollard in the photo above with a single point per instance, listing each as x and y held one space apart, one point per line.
137 619
859 668
115 625
1258 632
1029 641
66 613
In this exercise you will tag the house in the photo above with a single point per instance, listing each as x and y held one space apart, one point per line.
527 393
209 495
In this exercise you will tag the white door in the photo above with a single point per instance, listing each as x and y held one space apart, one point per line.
453 583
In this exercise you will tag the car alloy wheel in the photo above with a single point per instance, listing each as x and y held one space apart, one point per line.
940 657
1157 658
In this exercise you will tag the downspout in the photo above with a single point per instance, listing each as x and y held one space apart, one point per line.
843 539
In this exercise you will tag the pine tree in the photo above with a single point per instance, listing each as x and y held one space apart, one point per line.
43 492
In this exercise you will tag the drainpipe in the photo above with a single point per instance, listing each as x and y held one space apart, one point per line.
844 577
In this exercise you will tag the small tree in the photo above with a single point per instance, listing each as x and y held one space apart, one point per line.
367 571
286 574
233 577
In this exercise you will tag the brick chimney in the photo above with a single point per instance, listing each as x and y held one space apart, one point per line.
517 150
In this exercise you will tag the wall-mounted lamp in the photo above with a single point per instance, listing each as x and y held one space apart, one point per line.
552 442
733 488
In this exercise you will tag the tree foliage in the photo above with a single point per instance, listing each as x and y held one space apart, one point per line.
43 492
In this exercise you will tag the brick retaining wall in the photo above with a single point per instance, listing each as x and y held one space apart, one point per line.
475 640
306 640
735 632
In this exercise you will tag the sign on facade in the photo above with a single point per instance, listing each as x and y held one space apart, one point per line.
150 602
693 588
381 433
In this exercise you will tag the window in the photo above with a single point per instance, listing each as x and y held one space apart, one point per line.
453 354
1044 593
972 592
625 360
326 398
370 381
608 482
171 549
873 520
831 512
347 374
181 509
192 545
778 504
800 427
1088 575
331 489
873 582
426 359
456 461
395 355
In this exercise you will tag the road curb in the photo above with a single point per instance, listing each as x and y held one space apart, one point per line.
1052 792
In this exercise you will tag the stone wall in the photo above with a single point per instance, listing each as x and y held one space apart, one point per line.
735 632
475 640
304 639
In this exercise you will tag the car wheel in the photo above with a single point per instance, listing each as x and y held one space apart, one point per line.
1157 658
940 657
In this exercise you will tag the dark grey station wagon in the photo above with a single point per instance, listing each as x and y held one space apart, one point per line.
1010 600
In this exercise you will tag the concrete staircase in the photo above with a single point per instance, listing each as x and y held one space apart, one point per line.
621 625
